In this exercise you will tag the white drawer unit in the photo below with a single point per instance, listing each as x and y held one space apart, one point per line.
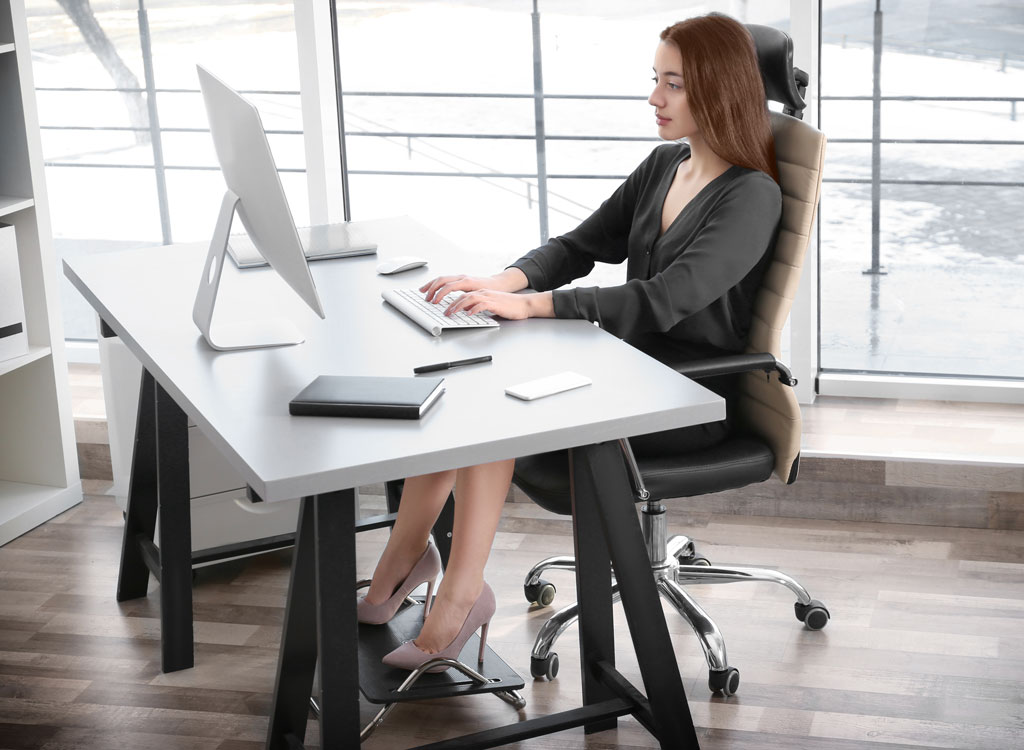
221 512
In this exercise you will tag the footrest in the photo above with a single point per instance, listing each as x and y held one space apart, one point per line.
379 683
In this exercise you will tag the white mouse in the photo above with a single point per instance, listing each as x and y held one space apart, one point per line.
400 263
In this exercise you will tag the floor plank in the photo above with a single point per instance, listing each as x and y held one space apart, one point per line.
925 649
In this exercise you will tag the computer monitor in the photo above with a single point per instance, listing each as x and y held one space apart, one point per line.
255 192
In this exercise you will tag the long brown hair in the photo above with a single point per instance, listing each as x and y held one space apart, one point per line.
724 89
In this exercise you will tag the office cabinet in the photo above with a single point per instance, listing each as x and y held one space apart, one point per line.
13 339
38 457
221 512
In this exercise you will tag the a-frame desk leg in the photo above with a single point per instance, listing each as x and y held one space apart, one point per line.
160 486
320 621
605 526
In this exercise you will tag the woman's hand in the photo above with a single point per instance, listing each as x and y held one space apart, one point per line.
509 280
504 304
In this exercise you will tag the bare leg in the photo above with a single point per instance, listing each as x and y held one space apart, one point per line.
479 496
423 497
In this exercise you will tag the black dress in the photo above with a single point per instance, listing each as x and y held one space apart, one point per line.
689 292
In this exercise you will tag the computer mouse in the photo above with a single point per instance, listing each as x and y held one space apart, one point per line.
400 263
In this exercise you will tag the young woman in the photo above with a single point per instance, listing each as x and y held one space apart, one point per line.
696 224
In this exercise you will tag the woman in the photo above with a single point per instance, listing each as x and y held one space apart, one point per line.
696 225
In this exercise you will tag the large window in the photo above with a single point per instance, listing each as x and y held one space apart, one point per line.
129 160
499 124
922 265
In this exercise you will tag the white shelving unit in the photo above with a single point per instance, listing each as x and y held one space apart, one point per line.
38 457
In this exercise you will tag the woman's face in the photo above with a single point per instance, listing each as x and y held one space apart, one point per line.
669 96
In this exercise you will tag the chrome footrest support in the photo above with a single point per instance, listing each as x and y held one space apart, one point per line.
513 697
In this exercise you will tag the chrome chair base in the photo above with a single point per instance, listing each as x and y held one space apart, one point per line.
674 563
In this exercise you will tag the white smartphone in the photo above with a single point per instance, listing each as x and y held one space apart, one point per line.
552 384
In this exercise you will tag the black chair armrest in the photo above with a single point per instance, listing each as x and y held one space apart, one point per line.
734 364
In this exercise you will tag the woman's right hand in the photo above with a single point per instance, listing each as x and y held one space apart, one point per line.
509 280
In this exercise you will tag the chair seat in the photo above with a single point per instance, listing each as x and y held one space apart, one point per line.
736 462
733 463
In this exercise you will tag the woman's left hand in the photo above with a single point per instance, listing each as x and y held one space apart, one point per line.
504 304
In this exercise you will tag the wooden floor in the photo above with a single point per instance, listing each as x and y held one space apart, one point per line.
925 649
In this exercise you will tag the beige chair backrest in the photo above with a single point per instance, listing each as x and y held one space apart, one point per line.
767 407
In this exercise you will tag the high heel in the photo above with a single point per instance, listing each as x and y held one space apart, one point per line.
409 656
425 570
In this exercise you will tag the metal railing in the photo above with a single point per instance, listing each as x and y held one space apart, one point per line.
540 135
531 179
877 141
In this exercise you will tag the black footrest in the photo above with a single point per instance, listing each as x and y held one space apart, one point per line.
379 683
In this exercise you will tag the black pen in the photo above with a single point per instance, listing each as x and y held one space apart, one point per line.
450 365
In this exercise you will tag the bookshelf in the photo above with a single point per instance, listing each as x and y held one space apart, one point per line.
38 456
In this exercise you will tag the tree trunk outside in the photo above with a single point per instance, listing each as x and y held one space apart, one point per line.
82 14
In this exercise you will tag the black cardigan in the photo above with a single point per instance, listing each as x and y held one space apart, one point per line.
688 293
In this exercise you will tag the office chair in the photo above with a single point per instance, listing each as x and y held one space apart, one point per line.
767 438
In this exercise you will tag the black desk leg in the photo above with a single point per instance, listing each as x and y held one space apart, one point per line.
593 587
337 627
320 619
160 485
296 659
599 470
175 534
140 515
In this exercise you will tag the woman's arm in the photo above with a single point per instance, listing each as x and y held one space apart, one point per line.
505 304
734 238
601 237
509 280
495 294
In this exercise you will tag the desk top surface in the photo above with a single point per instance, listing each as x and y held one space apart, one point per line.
240 399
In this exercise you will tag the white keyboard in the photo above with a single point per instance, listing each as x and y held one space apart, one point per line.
430 315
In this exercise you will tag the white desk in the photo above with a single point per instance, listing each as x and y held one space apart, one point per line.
240 400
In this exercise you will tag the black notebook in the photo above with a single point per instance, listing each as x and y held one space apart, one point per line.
367 396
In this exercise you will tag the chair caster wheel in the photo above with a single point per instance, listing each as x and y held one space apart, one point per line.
542 593
814 614
546 667
688 556
726 682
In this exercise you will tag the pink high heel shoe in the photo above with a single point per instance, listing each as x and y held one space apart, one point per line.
425 570
409 656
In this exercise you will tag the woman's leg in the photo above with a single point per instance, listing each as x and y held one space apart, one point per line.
479 496
423 498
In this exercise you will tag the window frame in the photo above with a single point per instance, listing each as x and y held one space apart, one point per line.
322 117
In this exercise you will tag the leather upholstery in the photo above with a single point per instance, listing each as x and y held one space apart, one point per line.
766 407
775 59
733 463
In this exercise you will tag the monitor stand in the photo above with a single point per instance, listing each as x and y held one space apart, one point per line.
248 334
